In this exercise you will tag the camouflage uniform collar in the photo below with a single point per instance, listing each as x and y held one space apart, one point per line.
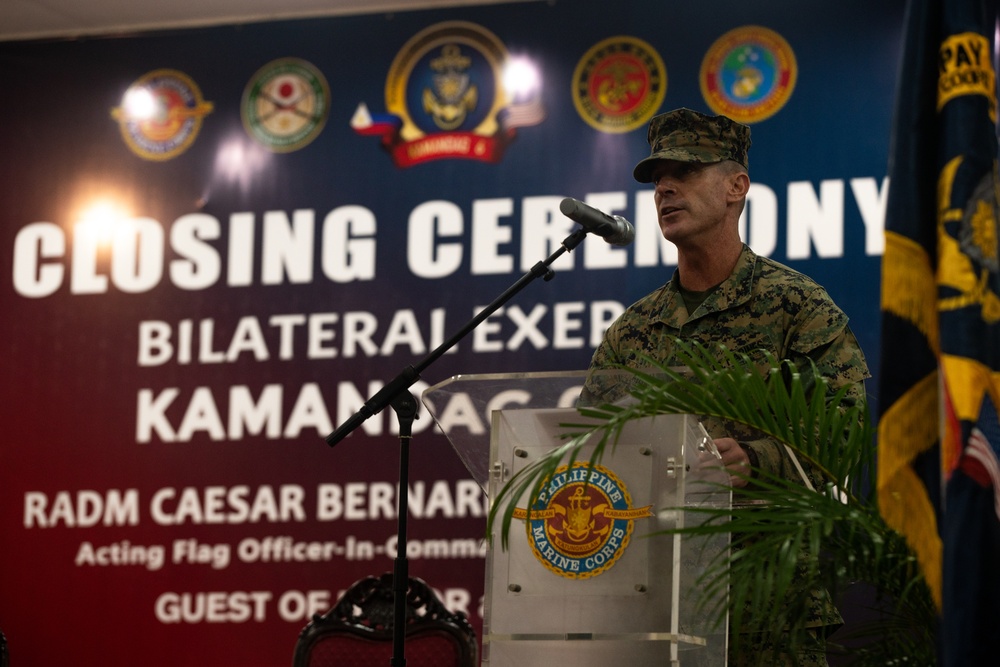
733 291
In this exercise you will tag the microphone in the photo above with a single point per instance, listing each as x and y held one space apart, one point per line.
614 229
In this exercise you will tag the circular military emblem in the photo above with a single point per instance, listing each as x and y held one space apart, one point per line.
285 104
160 114
579 527
748 74
619 84
446 80
446 98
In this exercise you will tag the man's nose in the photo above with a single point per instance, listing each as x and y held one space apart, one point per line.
664 183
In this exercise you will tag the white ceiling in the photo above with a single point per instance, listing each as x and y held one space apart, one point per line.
38 19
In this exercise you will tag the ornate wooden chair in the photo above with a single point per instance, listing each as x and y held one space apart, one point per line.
357 631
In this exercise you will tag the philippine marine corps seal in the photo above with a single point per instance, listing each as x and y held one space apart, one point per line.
445 98
285 104
161 114
748 74
580 527
619 84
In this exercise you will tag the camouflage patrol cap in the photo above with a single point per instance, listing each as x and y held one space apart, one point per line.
689 136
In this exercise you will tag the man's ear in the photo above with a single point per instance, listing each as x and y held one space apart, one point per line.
739 185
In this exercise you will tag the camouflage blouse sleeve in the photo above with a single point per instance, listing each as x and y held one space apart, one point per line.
841 362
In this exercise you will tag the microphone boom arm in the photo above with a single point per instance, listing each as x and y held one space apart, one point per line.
409 375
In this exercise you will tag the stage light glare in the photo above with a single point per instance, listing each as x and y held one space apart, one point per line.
102 219
231 159
521 77
140 103
239 162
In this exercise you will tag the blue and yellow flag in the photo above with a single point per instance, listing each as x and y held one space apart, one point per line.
939 436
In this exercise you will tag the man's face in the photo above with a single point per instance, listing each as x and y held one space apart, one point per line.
691 199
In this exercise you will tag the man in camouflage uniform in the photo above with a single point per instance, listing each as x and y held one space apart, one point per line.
722 292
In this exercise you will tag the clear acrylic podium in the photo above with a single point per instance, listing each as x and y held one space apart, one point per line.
588 578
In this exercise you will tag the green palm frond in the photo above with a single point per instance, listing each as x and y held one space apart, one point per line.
789 540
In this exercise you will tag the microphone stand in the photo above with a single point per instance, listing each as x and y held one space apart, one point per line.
397 395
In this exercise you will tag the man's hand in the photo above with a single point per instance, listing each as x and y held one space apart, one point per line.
734 460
